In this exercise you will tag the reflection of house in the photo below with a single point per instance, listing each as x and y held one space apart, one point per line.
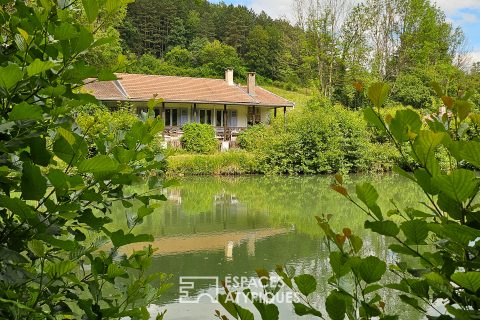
209 242
227 106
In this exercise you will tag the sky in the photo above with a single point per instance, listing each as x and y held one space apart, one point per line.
464 13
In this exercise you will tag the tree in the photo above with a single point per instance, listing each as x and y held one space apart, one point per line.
177 36
179 57
59 255
218 56
258 51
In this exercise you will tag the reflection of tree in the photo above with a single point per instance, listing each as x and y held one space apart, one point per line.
206 204
228 204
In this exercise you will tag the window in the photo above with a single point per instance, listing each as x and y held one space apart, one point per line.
253 116
174 117
205 116
232 118
171 117
219 120
183 116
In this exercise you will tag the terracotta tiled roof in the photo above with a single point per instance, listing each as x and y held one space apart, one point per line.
137 87
103 90
265 97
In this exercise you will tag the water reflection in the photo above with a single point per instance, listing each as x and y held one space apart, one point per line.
231 226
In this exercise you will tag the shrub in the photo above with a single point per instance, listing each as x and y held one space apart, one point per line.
411 90
59 253
317 139
199 138
254 138
221 163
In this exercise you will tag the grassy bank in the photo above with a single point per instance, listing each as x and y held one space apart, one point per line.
221 163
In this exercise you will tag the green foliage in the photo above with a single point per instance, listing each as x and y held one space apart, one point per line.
411 90
59 255
220 163
437 256
218 56
199 138
318 139
326 50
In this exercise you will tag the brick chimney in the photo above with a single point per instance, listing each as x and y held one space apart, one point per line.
251 84
229 76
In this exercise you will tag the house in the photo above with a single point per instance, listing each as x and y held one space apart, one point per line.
229 107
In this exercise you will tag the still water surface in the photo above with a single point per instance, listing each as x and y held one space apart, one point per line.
226 227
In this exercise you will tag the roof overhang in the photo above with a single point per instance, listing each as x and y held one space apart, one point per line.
236 103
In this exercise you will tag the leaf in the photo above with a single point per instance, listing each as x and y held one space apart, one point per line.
58 179
23 33
468 280
447 101
356 243
425 144
17 207
99 164
264 276
235 310
372 288
339 263
455 232
404 124
416 231
60 268
437 88
386 228
340 189
93 221
91 9
458 185
424 180
10 76
114 271
412 302
372 119
378 93
65 31
419 287
267 311
25 111
403 173
7 255
37 247
34 184
38 151
371 269
369 196
336 305
119 238
67 135
68 245
464 108
38 66
71 154
303 310
306 284
398 248
470 151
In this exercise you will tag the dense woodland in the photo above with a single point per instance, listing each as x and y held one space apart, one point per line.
332 45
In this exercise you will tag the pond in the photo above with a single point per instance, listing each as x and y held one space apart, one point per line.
229 226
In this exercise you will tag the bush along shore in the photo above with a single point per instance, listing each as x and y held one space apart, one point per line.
319 138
